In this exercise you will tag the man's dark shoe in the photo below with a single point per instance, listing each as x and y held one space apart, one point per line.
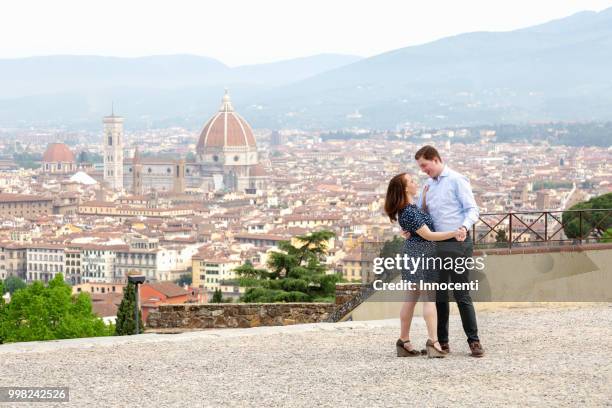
445 347
476 348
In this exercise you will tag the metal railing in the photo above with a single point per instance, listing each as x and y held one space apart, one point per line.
526 228
533 227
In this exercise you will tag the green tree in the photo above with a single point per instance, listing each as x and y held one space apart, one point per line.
248 271
2 312
392 248
126 323
50 312
542 185
314 245
89 157
217 296
593 222
501 239
27 160
13 283
296 273
280 262
607 236
185 279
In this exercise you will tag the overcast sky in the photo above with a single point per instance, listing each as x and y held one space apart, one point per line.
238 32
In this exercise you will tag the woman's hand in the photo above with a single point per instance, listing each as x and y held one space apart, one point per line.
460 234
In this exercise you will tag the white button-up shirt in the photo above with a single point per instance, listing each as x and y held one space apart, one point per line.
450 201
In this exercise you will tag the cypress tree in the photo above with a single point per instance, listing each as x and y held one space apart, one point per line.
217 296
126 323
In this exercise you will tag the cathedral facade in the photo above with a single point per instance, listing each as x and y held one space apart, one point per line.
226 159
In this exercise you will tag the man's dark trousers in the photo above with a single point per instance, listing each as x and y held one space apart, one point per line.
453 249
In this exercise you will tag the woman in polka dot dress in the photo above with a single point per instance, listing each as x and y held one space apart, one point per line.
400 206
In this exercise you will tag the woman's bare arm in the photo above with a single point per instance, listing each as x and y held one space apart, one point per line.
430 235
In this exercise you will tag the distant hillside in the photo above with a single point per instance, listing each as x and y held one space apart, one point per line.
558 71
66 73
156 90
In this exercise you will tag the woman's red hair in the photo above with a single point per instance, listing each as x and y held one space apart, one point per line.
396 198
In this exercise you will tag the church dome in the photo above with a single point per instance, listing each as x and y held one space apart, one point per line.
226 129
58 153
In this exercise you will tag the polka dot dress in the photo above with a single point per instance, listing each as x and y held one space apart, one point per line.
411 218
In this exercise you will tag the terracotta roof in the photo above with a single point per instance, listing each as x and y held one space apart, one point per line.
268 237
313 217
104 309
45 245
226 128
258 171
108 297
354 256
98 204
58 152
7 197
168 289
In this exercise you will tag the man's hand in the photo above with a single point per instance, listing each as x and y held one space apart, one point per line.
406 234
460 234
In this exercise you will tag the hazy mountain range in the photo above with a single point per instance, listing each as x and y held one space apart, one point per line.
555 71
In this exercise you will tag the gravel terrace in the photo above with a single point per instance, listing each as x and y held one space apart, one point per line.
548 356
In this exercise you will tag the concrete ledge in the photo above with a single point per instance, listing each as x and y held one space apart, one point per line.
160 337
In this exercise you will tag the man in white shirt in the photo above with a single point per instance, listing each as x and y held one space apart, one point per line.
450 202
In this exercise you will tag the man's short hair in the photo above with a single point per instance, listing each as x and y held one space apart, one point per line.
428 153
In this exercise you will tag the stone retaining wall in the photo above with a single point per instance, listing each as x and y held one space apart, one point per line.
220 315
346 291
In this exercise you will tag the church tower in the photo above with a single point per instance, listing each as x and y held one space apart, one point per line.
136 173
179 177
113 151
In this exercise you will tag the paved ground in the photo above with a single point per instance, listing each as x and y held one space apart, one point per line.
558 356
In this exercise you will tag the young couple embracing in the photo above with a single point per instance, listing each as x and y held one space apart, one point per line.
436 222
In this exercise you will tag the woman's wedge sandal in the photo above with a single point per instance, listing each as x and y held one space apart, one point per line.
403 352
433 352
